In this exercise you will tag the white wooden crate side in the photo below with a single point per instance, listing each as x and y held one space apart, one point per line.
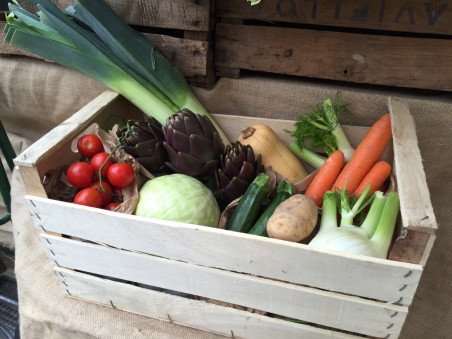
42 147
363 276
335 310
185 311
415 204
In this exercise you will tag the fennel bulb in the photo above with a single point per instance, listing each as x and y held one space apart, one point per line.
372 238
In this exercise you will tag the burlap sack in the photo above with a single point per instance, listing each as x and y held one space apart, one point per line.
36 96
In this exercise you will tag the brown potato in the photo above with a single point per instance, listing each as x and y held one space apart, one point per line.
294 219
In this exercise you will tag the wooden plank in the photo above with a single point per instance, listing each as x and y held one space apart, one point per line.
411 247
415 204
350 313
184 311
360 58
72 126
395 15
358 275
175 14
192 57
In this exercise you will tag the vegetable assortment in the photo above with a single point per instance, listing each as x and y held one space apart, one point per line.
193 173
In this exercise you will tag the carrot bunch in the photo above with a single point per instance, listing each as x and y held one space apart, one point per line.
363 168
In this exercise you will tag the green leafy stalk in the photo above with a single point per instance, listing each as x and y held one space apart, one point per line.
351 207
115 78
386 224
116 55
374 213
321 129
312 158
139 54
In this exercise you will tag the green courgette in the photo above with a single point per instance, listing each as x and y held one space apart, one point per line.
247 210
283 192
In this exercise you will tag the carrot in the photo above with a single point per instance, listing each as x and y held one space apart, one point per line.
376 177
366 155
325 177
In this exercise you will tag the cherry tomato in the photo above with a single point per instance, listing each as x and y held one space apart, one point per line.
121 174
89 145
111 206
98 160
88 197
80 174
106 196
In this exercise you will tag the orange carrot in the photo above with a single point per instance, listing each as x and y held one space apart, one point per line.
376 177
325 177
366 155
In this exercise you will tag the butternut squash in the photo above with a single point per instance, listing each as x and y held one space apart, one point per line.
274 152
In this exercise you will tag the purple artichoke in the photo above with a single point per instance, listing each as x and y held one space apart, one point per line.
238 168
144 141
193 144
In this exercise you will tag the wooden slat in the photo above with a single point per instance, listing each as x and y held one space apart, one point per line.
190 56
411 248
363 276
193 58
350 313
176 14
396 15
184 311
72 126
360 58
415 204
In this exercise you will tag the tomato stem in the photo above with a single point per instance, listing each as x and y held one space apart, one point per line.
105 162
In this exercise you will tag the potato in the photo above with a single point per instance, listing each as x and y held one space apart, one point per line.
294 219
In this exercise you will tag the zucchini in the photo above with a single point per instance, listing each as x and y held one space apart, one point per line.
283 192
247 210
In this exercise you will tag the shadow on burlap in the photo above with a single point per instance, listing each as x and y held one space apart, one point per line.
35 96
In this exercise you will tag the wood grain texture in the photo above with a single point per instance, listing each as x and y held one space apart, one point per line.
177 14
395 15
411 248
190 56
194 58
72 126
358 275
184 311
415 204
359 58
350 313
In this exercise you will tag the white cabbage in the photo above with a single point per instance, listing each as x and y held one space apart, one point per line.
178 197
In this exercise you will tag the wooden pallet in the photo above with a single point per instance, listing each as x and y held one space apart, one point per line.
394 43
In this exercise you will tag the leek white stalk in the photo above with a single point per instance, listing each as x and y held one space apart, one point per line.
374 236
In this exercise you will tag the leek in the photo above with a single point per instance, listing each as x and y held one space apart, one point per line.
90 38
373 238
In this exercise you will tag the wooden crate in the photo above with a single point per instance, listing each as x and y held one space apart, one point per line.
125 261
396 43
182 30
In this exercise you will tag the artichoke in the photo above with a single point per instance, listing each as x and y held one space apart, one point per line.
144 141
193 144
238 168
